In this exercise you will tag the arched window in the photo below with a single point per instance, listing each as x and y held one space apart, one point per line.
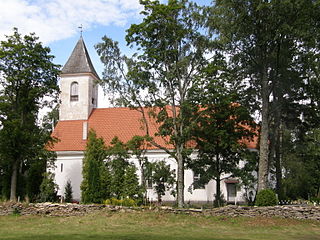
74 92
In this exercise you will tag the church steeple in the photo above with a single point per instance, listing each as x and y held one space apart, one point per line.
79 61
78 85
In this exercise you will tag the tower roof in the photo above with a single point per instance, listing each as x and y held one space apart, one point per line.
79 61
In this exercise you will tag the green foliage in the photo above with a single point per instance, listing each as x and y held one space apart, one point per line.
315 200
124 180
301 164
68 193
222 126
131 185
163 178
117 156
95 186
48 188
50 120
107 172
27 76
128 202
266 197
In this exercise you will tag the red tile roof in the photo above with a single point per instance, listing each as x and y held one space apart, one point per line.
108 123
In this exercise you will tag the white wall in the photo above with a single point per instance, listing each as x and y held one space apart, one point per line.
72 169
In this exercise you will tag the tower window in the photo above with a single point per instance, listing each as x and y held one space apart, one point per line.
74 92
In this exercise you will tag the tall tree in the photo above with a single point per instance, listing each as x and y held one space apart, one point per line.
223 126
265 41
27 76
95 186
171 51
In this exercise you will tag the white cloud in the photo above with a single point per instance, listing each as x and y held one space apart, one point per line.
53 20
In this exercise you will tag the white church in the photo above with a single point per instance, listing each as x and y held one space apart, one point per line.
79 114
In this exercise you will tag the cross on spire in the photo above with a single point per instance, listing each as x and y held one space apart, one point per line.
81 30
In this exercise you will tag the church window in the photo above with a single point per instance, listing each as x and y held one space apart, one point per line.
74 92
61 167
149 183
93 95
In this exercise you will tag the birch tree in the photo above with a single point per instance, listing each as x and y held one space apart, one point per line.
171 48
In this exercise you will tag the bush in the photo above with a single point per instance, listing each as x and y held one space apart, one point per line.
48 188
266 197
68 192
315 200
128 202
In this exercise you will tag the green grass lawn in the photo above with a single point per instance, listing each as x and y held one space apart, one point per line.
152 225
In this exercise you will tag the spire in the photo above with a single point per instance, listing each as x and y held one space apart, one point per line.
79 61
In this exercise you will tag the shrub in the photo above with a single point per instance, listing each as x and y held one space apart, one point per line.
266 197
113 201
48 188
68 192
315 200
128 202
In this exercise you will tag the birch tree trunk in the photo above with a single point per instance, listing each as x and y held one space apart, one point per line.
180 178
264 135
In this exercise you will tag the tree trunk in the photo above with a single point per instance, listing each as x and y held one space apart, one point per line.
276 146
264 143
13 187
180 178
143 180
218 192
278 161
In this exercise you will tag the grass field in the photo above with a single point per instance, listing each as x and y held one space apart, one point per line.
157 226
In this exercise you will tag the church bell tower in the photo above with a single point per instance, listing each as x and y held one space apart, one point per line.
78 85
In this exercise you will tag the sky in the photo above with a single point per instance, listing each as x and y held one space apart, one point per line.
57 22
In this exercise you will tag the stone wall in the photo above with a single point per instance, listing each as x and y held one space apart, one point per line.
297 212
50 209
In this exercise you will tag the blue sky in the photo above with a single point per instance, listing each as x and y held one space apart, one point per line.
56 23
